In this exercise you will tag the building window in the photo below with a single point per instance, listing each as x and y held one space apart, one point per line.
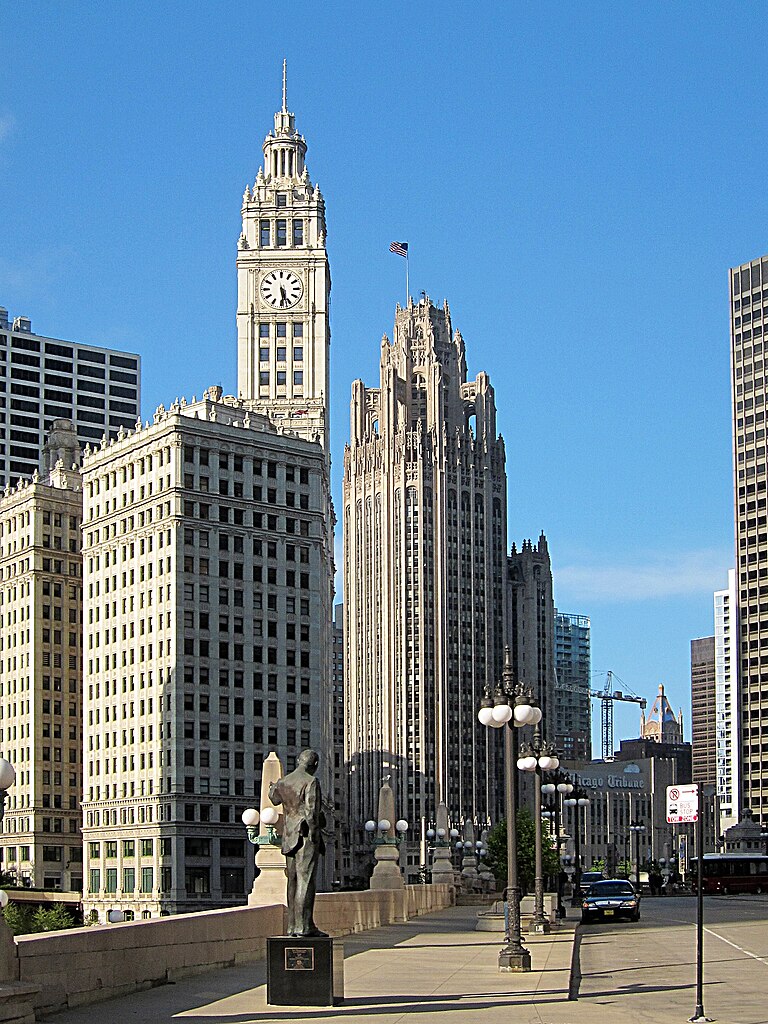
281 233
298 354
94 880
146 879
298 232
129 879
110 880
298 378
263 232
146 849
281 378
281 354
263 355
281 330
264 378
197 880
282 199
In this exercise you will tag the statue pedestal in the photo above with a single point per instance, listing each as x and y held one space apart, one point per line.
271 885
304 971
386 873
442 868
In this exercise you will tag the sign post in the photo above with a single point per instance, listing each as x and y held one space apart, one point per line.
683 806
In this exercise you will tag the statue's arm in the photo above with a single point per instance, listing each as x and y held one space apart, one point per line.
313 805
274 793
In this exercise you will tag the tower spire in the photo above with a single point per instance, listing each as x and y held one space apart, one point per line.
285 89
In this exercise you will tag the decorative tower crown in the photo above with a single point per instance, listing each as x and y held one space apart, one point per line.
284 149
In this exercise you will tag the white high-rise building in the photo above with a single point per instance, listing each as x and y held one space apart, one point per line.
45 379
41 668
207 621
727 703
284 287
424 581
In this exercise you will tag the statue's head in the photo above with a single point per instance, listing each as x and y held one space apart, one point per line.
308 760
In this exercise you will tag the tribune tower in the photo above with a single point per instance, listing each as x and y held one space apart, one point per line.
283 288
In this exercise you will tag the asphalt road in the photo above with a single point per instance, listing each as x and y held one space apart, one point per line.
646 971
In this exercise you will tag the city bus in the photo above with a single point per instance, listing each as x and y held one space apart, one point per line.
728 873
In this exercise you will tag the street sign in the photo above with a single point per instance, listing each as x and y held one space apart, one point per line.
682 804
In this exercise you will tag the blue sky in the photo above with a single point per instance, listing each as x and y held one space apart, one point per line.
574 178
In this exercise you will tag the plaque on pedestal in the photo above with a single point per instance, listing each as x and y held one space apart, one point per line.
304 971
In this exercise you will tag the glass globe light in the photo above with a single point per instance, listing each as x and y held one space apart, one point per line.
582 801
250 817
454 833
502 713
430 833
441 833
535 716
522 714
467 845
545 762
548 788
401 825
269 816
521 763
370 826
485 715
496 725
529 763
459 845
564 787
385 825
570 802
555 762
7 774
3 899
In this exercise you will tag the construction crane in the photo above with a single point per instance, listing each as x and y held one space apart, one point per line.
607 696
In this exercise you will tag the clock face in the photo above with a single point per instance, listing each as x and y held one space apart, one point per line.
281 289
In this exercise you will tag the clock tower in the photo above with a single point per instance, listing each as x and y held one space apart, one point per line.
283 289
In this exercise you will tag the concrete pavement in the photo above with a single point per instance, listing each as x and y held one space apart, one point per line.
437 968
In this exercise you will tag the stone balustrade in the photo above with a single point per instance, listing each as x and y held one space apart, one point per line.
86 965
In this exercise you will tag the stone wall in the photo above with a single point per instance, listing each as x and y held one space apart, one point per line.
86 965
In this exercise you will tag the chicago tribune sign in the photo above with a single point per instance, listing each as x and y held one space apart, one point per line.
612 781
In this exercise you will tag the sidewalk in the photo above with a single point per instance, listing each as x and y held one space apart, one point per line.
419 972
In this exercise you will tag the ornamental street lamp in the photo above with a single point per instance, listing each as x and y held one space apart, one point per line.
577 800
511 704
558 790
538 756
637 828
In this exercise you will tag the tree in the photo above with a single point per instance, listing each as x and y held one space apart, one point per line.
25 920
18 919
598 864
526 850
52 919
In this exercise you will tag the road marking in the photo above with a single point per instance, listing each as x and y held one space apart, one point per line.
741 949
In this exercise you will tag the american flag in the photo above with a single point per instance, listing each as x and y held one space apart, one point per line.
400 248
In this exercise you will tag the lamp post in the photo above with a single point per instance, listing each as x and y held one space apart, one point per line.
637 828
537 757
577 800
764 837
558 790
512 705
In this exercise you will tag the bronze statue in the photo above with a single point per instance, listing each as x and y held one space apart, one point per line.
302 839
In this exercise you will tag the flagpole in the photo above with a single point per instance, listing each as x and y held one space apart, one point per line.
407 286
